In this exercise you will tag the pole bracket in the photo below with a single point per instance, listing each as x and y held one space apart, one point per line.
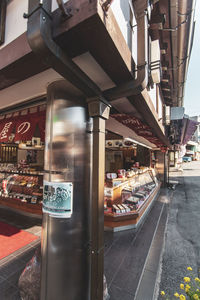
98 108
40 5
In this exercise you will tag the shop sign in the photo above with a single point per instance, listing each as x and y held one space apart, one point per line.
58 199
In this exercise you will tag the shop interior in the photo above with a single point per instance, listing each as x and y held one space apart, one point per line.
131 182
22 161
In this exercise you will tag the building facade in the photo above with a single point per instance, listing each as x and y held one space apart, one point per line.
117 66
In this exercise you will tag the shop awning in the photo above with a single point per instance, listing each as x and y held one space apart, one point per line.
139 128
22 127
188 129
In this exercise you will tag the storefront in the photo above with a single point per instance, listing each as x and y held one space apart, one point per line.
22 136
132 182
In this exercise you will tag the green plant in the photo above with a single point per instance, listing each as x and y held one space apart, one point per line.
189 288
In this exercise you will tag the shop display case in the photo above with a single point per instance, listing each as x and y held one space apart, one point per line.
127 203
21 188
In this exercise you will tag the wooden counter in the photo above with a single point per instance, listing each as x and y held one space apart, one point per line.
17 204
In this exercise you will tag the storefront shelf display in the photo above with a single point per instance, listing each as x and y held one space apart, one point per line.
21 191
126 204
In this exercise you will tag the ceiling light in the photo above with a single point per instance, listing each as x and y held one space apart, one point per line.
136 142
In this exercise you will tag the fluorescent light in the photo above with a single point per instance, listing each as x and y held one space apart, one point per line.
136 142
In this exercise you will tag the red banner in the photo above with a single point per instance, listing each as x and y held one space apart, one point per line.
42 124
25 127
22 127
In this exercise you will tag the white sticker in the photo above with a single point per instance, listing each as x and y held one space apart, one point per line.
58 199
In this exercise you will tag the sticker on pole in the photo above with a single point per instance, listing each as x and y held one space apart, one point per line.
58 199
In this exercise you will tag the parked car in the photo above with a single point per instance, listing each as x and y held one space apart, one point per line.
187 158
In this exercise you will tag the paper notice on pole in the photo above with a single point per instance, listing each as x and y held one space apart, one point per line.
58 199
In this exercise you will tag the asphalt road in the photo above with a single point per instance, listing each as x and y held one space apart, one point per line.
182 236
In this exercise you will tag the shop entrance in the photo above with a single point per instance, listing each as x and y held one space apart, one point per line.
131 183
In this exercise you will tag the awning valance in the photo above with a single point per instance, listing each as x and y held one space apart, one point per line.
139 128
22 127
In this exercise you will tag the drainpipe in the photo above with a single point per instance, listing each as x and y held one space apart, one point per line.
137 85
185 34
40 40
39 34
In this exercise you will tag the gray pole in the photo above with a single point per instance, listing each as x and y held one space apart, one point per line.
67 197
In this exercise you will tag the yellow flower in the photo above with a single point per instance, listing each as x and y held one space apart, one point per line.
176 295
189 268
187 279
162 293
197 279
182 297
197 290
195 297
182 286
187 287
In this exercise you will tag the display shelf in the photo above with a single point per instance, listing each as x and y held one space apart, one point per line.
22 173
124 180
21 206
131 220
132 213
113 194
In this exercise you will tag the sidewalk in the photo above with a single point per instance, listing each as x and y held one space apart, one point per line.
182 238
131 258
12 266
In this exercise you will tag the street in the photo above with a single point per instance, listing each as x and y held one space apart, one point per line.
182 242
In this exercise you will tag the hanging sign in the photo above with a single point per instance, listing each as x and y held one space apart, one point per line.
58 199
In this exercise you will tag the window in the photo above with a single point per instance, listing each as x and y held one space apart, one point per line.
132 32
2 20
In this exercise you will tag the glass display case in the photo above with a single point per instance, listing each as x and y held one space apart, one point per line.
130 199
21 187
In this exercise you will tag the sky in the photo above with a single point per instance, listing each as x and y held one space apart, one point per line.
192 87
